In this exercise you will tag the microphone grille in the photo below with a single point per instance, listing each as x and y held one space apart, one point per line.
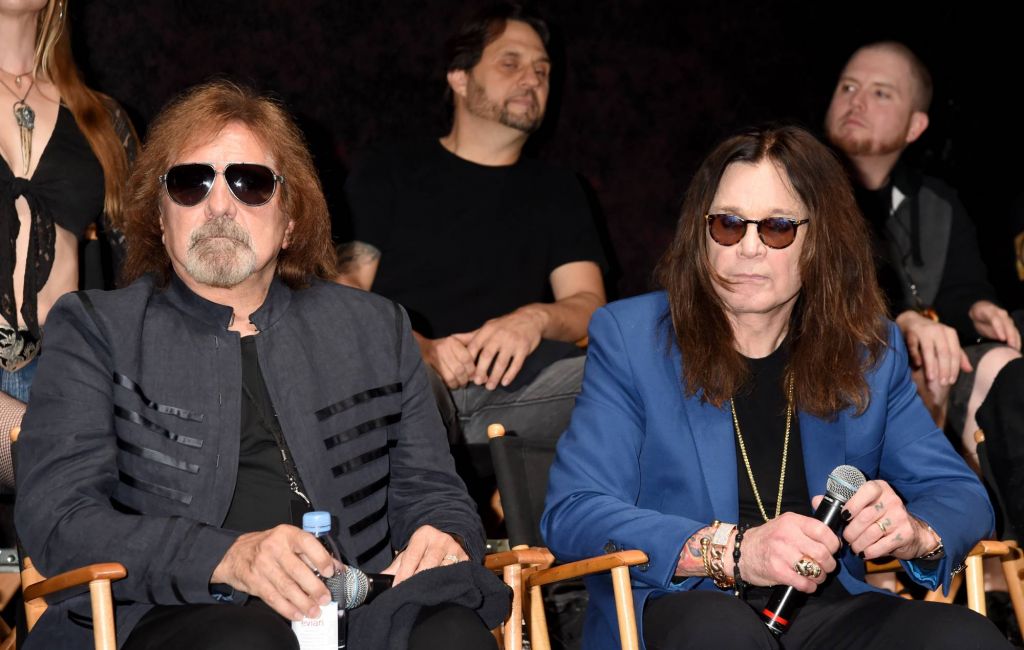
348 587
844 481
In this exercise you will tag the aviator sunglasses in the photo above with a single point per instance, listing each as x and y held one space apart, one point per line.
252 184
775 232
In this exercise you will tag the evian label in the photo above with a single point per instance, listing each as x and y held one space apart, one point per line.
318 633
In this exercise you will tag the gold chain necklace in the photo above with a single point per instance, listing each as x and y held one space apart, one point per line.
785 453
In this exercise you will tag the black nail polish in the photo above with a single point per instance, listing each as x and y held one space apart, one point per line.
845 514
861 555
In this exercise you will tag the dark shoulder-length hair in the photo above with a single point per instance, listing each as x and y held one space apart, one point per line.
197 116
837 329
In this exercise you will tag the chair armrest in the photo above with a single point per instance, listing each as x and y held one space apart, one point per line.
75 578
984 548
586 567
529 556
882 565
989 548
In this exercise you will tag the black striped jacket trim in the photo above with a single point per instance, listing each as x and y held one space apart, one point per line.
136 418
360 429
362 493
368 520
123 508
153 488
372 552
184 414
81 620
359 461
156 457
358 398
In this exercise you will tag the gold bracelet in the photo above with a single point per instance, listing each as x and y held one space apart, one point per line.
712 549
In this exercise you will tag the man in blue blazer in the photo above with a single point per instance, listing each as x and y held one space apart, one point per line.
768 344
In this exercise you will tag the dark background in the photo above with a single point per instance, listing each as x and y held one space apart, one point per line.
642 90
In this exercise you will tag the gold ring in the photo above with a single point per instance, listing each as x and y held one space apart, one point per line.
885 523
807 567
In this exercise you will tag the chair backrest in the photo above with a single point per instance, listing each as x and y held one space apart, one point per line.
521 468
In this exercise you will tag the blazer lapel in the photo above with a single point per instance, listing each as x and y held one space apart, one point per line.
824 447
716 452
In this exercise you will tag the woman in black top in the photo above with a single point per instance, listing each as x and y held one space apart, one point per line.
65 154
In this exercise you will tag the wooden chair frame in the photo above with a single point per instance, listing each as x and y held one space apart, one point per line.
527 569
35 589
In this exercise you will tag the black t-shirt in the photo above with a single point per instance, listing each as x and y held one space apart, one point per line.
462 243
262 497
761 411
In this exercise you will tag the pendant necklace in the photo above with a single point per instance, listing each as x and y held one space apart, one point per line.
26 119
17 77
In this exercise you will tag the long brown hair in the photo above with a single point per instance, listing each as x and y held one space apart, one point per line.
92 110
197 116
837 327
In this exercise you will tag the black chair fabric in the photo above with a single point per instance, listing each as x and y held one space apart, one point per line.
521 468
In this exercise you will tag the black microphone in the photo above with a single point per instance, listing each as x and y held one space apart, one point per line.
843 482
351 587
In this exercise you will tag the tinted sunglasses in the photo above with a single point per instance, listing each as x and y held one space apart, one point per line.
252 184
775 232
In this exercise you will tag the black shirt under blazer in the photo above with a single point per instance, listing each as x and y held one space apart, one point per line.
129 449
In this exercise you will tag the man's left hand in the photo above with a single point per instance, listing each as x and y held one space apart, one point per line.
428 548
993 322
880 525
501 346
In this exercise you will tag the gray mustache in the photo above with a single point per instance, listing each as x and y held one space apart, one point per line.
222 227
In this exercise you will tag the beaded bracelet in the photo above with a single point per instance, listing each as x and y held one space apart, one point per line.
741 587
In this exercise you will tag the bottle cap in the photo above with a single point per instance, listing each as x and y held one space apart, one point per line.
316 522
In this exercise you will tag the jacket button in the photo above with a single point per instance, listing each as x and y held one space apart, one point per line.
643 567
610 547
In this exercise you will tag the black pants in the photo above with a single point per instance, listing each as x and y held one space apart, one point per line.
707 619
255 626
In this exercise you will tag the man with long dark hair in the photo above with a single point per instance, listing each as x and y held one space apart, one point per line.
712 411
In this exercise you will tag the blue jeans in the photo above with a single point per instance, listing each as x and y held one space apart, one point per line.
17 384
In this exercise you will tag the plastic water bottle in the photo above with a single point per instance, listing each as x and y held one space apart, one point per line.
329 631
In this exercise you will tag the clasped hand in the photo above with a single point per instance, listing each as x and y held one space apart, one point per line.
491 355
878 525
277 566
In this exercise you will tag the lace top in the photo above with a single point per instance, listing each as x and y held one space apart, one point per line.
67 190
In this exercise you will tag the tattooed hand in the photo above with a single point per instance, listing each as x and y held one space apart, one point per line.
771 550
879 525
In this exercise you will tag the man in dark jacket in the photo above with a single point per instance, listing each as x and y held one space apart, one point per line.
930 265
183 425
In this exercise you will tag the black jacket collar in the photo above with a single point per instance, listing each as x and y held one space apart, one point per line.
273 308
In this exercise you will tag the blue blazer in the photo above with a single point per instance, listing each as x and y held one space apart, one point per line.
644 467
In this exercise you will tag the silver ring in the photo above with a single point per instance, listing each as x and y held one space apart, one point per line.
449 559
807 567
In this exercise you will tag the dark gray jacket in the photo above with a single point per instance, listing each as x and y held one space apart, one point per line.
129 449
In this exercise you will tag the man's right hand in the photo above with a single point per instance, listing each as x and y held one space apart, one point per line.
935 348
769 552
275 566
450 358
